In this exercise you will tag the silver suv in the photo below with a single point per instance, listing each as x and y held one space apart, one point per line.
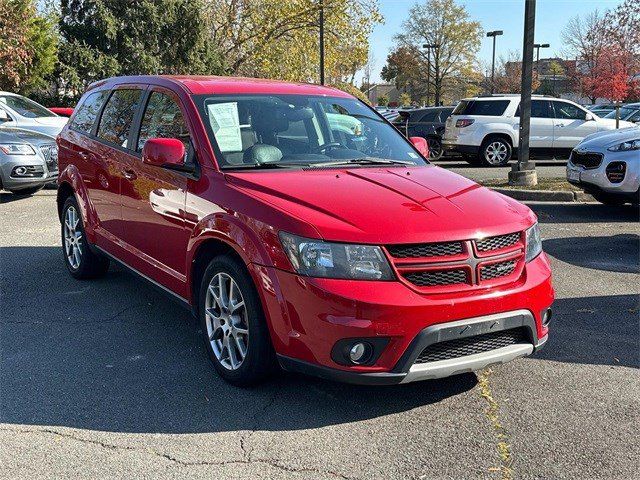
19 112
485 129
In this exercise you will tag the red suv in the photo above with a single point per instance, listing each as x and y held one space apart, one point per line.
301 228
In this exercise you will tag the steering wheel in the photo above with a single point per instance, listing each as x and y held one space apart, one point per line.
325 146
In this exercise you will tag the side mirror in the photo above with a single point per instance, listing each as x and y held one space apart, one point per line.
163 152
589 117
421 145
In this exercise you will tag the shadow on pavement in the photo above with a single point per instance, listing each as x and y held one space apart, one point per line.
584 213
595 330
115 355
616 253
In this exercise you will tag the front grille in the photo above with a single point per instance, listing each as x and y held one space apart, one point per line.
497 270
437 278
471 345
586 159
423 250
495 243
50 154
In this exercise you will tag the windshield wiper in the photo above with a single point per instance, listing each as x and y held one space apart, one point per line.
363 161
256 166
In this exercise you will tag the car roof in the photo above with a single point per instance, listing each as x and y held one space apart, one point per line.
202 85
9 93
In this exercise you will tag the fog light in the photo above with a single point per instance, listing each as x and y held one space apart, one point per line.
360 352
21 170
546 318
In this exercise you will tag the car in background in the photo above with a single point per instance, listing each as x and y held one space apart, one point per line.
62 111
629 112
17 111
607 165
600 110
28 160
428 123
485 129
389 114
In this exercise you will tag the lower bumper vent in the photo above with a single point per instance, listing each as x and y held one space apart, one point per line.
471 345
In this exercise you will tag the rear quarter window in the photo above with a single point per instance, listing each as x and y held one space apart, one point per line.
487 108
87 112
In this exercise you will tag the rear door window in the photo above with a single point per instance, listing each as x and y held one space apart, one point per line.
87 113
488 108
118 115
567 111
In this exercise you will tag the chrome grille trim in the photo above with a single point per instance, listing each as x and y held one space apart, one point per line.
50 154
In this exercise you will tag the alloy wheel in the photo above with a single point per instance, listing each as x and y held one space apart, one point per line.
496 153
435 149
72 237
227 321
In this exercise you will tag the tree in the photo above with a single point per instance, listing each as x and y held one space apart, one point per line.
405 69
101 38
447 25
383 100
508 77
613 79
279 39
27 46
405 99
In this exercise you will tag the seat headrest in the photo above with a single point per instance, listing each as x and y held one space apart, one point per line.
262 153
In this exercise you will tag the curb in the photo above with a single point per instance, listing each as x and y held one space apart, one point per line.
545 195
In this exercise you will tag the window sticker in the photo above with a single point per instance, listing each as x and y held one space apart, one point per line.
226 125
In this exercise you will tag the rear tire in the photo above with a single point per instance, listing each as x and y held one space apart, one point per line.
495 152
234 328
435 148
79 259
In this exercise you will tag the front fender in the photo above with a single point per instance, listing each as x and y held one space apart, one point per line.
71 176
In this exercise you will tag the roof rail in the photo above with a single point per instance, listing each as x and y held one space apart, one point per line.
489 95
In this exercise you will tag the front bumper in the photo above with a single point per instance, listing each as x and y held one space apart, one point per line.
450 147
596 178
308 316
12 181
409 370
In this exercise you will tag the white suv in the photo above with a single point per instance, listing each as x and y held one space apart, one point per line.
485 129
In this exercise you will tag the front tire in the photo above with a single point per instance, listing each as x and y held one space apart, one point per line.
81 262
233 325
495 152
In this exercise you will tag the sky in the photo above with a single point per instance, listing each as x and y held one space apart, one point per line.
506 15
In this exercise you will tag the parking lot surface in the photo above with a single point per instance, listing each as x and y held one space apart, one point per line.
109 379
544 168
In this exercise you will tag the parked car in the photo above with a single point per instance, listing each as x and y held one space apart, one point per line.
19 112
62 111
390 114
601 110
427 123
607 165
629 112
28 161
346 256
485 129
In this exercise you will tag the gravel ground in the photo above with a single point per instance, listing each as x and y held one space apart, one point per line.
108 379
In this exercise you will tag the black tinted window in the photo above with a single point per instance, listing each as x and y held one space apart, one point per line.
163 119
431 116
87 113
489 108
539 109
117 117
568 112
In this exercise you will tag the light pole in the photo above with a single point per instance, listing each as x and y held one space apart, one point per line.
428 47
524 172
493 34
538 46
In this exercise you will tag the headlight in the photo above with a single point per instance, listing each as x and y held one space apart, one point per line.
626 146
315 258
17 149
534 242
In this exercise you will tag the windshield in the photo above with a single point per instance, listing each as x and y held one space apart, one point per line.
625 112
300 130
25 107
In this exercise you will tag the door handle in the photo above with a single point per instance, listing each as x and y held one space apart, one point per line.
129 174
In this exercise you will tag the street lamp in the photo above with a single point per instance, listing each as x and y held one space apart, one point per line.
321 40
538 46
493 34
428 47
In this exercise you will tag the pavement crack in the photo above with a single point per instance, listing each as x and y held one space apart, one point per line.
492 413
275 463
257 417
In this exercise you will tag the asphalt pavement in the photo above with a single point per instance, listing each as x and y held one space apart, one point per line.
109 379
545 169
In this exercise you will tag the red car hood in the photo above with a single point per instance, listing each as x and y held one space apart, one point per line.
387 205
